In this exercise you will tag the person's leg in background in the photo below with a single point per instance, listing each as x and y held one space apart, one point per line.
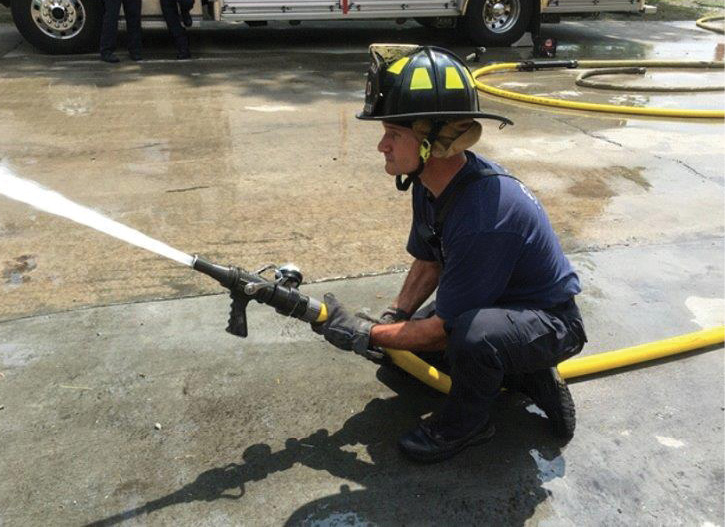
170 10
132 13
109 30
185 7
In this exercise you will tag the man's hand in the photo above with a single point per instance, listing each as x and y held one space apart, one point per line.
342 330
391 315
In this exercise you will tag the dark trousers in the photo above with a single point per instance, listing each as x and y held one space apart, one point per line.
485 345
170 10
109 30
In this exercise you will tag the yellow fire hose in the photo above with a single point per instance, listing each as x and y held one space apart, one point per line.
584 79
610 108
577 367
243 285
704 23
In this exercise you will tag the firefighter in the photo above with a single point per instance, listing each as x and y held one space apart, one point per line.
109 29
504 311
175 13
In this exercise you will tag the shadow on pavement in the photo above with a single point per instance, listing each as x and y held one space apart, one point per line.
499 483
291 63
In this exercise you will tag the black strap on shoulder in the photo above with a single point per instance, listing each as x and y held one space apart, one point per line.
442 209
432 234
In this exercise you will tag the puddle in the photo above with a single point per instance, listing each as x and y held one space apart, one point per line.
533 409
708 312
670 442
581 195
548 469
323 517
14 356
337 519
71 100
15 271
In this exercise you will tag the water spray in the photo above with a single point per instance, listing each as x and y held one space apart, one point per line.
282 293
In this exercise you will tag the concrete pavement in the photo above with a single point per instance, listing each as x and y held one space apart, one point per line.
252 155
281 428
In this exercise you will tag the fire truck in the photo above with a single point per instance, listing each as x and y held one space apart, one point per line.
73 26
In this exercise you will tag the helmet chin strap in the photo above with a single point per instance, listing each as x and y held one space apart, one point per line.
404 184
426 146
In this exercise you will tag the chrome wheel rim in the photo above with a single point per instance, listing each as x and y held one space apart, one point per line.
499 16
59 19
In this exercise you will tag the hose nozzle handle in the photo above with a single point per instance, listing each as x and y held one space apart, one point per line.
237 324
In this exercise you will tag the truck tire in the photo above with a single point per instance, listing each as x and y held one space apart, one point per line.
59 26
497 22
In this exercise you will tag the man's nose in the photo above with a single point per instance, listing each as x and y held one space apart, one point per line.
383 146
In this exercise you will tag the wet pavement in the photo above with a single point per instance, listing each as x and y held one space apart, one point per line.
251 154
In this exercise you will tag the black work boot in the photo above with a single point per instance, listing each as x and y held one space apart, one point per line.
550 393
110 57
430 442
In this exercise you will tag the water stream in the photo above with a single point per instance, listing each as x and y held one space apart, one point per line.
47 200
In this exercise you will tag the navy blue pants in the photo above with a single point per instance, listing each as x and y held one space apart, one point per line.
170 9
485 345
109 30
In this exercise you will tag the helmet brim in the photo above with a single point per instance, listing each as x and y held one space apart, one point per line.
437 116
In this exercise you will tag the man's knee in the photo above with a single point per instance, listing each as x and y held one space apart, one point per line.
481 327
479 333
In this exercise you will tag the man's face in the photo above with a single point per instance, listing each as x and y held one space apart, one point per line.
400 147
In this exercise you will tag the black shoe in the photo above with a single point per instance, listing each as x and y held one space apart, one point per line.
550 393
135 56
183 55
186 18
110 57
427 443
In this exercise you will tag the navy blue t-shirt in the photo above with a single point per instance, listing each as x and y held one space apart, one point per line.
498 245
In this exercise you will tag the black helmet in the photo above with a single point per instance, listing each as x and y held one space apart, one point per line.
407 82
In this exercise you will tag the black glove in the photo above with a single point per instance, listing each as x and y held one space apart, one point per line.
342 330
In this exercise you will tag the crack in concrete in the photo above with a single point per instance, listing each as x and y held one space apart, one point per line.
593 249
187 189
664 158
588 133
691 169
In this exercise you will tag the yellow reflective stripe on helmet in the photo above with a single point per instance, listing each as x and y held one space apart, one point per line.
397 66
453 79
421 80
